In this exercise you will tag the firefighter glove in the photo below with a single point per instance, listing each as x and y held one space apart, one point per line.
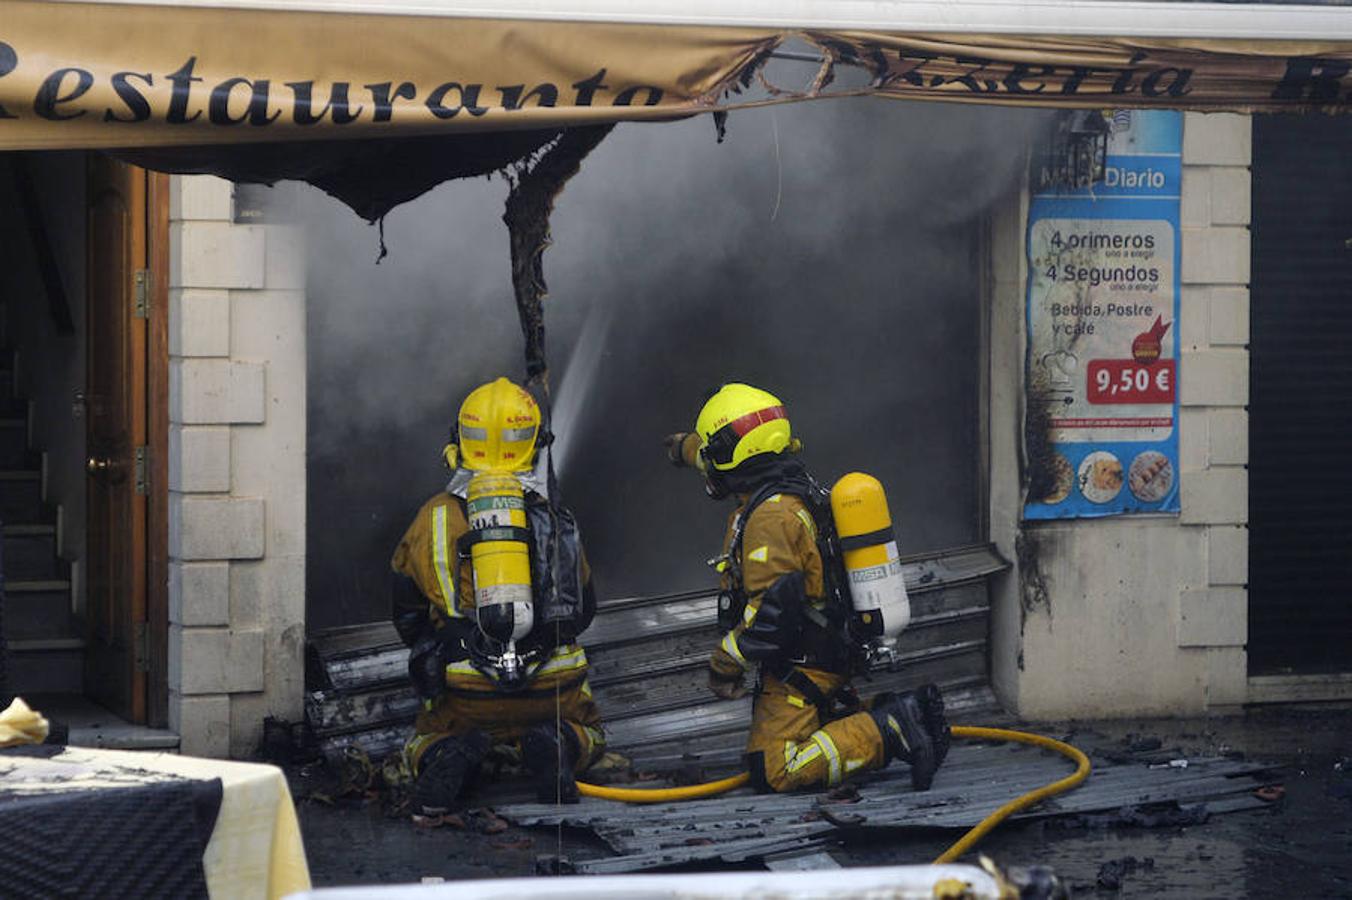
427 667
681 448
727 687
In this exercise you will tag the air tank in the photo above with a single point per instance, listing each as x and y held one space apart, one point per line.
882 610
500 558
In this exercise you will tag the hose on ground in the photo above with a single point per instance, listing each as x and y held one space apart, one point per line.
965 843
663 795
984 827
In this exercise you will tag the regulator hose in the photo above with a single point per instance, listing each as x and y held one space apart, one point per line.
965 843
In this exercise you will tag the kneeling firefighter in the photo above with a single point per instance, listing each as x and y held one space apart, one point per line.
812 592
491 593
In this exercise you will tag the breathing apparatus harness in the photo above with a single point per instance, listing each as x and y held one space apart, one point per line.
823 635
865 603
538 601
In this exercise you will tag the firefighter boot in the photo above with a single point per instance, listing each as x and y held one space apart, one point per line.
445 768
550 755
902 724
932 712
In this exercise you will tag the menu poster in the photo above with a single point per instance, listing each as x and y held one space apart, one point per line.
1101 424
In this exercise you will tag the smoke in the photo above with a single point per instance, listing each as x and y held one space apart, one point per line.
830 254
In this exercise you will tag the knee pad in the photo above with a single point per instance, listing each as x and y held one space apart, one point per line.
446 767
755 766
551 754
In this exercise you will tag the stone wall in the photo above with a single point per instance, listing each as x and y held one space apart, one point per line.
236 471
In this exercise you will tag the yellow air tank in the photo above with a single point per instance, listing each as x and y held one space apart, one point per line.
872 563
500 558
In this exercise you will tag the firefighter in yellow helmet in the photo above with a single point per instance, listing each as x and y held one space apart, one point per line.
782 618
491 593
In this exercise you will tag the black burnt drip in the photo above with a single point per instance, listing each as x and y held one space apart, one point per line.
536 182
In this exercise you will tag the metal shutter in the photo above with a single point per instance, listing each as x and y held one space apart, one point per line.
1300 472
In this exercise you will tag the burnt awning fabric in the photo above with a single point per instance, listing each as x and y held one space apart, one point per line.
126 76
371 176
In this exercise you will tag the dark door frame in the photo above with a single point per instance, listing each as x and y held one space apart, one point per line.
157 435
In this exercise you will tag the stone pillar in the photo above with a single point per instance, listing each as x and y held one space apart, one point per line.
1214 393
236 471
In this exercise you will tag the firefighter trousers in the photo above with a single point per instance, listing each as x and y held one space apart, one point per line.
557 692
790 745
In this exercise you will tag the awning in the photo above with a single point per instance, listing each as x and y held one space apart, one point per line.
117 74
376 101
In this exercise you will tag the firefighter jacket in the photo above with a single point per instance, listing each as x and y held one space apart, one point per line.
473 700
780 538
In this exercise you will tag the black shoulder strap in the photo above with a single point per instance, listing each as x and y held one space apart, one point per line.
805 488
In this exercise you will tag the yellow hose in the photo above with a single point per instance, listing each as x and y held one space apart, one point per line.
968 840
662 795
965 843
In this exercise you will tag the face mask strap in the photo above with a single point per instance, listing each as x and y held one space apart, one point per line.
451 452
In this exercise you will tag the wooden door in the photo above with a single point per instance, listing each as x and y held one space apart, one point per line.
116 657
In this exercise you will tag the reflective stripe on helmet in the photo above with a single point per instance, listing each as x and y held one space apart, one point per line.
742 425
722 443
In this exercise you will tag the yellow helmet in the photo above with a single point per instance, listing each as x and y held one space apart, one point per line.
497 428
740 422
